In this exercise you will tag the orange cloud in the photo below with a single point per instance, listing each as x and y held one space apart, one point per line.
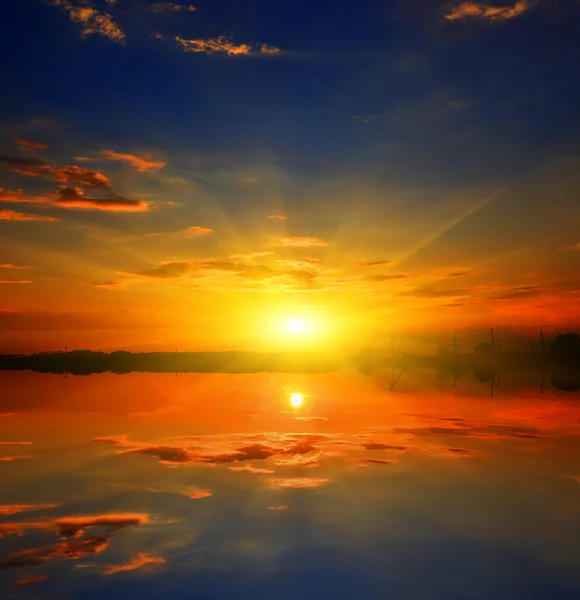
572 247
35 167
251 469
197 495
479 10
297 482
74 197
301 242
21 281
75 526
69 527
375 263
30 580
12 458
377 461
279 217
11 266
277 507
74 550
29 144
171 6
15 443
223 44
91 21
141 164
12 509
197 231
11 215
139 561
166 270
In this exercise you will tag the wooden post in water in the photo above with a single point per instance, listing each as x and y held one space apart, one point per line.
492 339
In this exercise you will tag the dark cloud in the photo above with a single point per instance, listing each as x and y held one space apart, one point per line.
71 550
74 197
386 277
70 174
376 263
166 454
377 461
375 446
167 270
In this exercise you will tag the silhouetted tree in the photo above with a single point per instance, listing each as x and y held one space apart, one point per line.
566 344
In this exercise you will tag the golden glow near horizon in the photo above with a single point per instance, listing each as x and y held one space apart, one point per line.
296 399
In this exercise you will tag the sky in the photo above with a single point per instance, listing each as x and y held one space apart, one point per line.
198 175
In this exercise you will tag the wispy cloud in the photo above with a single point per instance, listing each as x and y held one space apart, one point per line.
479 10
138 162
197 231
30 580
172 7
30 144
224 45
279 217
166 270
73 197
199 494
277 507
73 174
13 509
301 242
90 20
138 562
375 263
572 247
297 482
12 215
11 266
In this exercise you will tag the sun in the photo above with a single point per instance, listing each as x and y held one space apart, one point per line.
296 399
297 325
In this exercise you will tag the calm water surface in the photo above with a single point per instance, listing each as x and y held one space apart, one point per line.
288 487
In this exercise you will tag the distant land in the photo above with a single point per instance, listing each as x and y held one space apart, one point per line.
482 362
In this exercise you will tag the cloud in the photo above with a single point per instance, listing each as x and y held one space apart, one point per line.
277 507
15 443
301 242
12 509
310 418
12 458
386 277
141 164
74 197
376 263
165 454
35 167
520 292
251 469
572 247
224 45
166 270
30 144
72 550
377 461
11 266
279 217
470 9
74 526
375 446
297 482
11 215
171 6
197 231
199 494
251 255
30 580
139 561
90 20
428 292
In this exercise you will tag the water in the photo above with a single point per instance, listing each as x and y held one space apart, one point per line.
288 486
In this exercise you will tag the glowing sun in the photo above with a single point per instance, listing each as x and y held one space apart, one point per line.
296 399
297 326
